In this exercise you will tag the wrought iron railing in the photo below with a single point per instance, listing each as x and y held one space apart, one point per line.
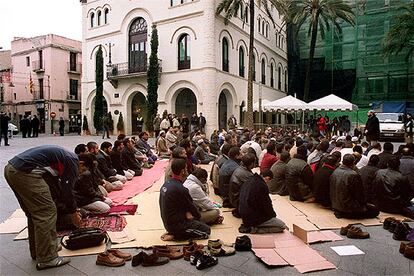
125 69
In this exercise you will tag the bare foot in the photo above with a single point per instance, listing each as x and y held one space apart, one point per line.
167 237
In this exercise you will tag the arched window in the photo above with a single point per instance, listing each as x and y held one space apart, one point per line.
106 12
277 43
286 81
254 68
184 52
137 46
279 78
272 80
99 15
263 71
263 27
246 15
225 55
92 20
259 25
282 46
241 10
267 30
241 62
280 38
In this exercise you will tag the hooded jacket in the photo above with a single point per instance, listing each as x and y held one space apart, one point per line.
198 193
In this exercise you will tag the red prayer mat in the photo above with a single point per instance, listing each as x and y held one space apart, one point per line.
139 183
109 223
123 209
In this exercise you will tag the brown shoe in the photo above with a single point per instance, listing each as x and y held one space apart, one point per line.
120 254
190 249
409 252
357 233
344 230
170 252
404 245
107 259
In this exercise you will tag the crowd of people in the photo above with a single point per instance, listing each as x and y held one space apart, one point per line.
352 177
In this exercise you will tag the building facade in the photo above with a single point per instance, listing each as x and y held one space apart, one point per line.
203 62
351 63
45 80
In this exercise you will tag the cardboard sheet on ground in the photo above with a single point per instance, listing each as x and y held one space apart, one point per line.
81 252
18 214
24 235
382 216
13 225
347 250
123 236
288 249
329 221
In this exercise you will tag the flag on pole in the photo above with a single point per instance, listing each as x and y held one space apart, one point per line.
31 86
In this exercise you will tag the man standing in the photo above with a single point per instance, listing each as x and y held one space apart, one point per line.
140 122
409 128
185 124
180 216
321 125
23 126
35 126
372 130
4 128
61 126
29 126
232 122
165 124
24 173
202 122
157 123
105 126
194 122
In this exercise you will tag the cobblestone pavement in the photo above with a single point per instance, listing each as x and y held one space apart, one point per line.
381 251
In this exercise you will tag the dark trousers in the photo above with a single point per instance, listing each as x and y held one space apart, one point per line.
5 135
34 197
157 133
190 229
105 131
371 212
35 132
61 131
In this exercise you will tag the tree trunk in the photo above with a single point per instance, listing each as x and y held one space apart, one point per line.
249 113
315 17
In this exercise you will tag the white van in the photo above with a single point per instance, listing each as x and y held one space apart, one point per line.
391 125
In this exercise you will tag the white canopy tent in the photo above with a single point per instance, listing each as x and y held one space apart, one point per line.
256 105
287 103
332 102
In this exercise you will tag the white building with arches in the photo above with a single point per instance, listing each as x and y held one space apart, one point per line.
204 62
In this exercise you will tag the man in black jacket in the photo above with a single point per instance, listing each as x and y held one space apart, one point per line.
321 181
35 126
128 157
180 216
4 128
386 155
105 163
393 193
372 130
346 192
117 161
368 175
256 209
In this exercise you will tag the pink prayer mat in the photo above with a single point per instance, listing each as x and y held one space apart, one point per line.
139 183
123 209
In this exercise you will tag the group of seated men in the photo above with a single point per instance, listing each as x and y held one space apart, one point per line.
107 167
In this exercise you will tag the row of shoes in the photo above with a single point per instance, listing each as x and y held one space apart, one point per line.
353 232
113 258
399 229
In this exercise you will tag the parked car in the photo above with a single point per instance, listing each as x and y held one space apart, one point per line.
391 126
13 130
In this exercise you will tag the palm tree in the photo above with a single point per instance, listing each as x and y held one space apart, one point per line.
319 14
401 34
231 8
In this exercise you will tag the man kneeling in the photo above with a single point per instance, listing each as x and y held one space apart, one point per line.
255 207
179 214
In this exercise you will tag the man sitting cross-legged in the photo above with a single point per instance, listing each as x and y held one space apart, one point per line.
255 206
117 161
179 214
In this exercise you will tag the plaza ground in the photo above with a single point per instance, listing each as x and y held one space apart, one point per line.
381 251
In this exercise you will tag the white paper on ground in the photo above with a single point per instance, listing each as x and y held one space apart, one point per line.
24 235
347 250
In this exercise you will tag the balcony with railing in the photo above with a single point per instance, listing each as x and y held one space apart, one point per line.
72 97
74 68
117 71
38 66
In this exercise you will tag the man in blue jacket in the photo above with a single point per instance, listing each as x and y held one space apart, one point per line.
180 216
25 175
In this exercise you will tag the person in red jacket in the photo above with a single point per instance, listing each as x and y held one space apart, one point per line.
321 125
269 157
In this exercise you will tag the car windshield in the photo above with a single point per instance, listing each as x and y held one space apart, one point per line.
389 117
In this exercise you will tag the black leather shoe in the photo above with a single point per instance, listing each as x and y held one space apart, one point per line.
243 243
401 231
